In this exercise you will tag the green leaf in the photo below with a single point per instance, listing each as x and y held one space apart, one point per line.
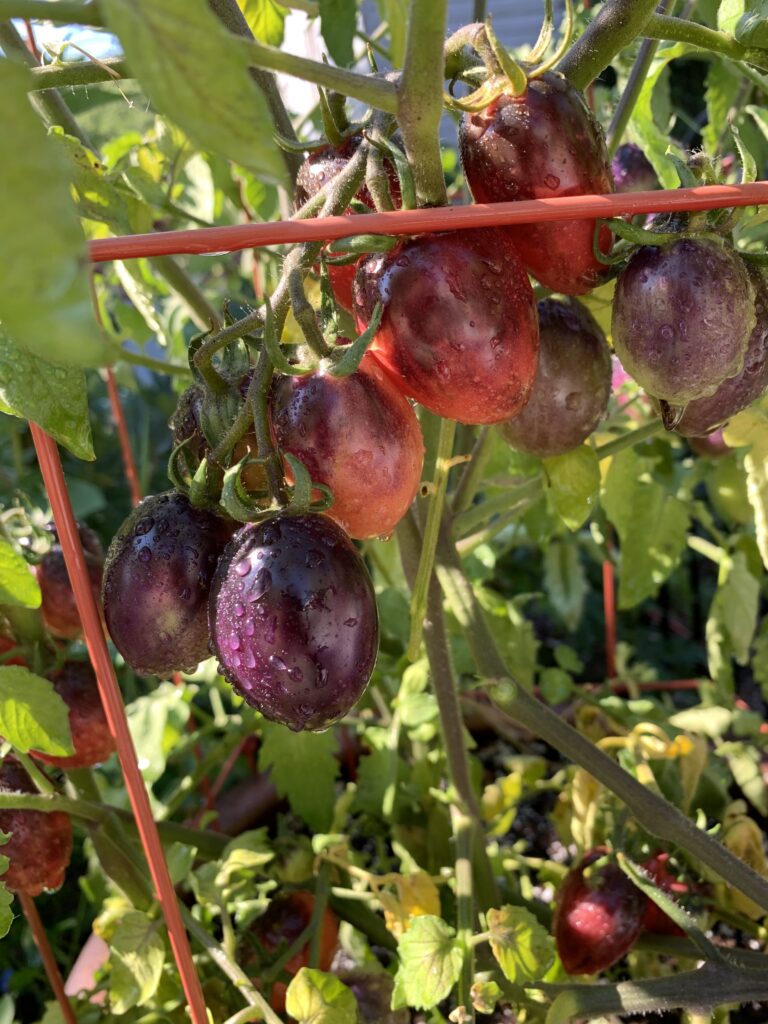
44 298
430 962
574 483
157 724
723 84
137 955
18 584
751 428
53 396
652 526
729 13
197 73
565 581
314 997
652 139
735 605
6 900
293 759
395 13
32 715
266 19
523 948
337 23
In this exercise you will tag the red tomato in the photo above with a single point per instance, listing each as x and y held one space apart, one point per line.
325 163
357 435
656 921
342 277
459 331
542 144
7 643
599 916
91 738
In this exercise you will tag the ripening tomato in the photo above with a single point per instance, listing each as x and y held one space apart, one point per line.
655 920
459 331
542 144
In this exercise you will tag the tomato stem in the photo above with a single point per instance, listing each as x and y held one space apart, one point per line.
660 26
615 26
78 72
465 904
65 12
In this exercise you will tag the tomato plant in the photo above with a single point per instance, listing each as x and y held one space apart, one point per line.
431 465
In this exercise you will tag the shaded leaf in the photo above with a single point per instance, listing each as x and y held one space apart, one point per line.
337 23
395 13
565 581
295 758
574 483
653 139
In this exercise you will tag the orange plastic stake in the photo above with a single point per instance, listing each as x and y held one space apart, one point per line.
609 610
46 954
234 237
66 526
129 462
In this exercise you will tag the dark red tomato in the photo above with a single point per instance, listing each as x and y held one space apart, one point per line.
293 620
599 916
325 163
540 145
40 845
286 917
459 331
91 738
156 581
357 435
7 643
632 171
655 920
342 278
58 606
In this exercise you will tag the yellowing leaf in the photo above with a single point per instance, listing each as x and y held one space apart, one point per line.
416 895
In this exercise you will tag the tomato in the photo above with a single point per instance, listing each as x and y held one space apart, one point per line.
7 643
76 684
286 917
58 606
342 278
599 916
539 145
40 844
632 171
357 435
459 331
325 163
293 620
655 920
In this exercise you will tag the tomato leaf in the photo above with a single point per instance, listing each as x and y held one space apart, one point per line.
733 613
337 23
197 73
315 997
430 964
266 19
565 581
44 299
653 139
53 396
137 955
395 13
574 483
18 585
292 759
32 715
523 948
157 724
751 428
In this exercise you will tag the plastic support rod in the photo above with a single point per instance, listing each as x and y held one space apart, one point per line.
66 526
46 955
233 238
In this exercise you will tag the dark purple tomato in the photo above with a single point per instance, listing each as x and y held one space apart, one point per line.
599 916
683 314
632 171
572 386
58 605
357 435
156 582
76 685
705 415
40 846
325 163
540 145
459 331
293 620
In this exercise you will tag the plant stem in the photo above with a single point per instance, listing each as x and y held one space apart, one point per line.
465 904
230 14
79 72
654 814
635 83
660 26
426 560
420 98
628 440
158 365
64 12
203 313
468 484
258 395
498 504
616 24
376 92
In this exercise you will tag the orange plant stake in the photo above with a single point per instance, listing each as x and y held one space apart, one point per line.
46 954
66 526
129 462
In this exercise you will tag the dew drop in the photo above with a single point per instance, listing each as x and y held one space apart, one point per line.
350 622
295 674
552 181
144 525
145 555
239 610
277 663
262 582
243 567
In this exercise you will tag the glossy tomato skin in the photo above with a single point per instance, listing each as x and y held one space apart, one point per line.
76 684
58 606
293 620
541 145
357 435
655 920
458 332
325 163
40 846
598 917
156 582
342 278
632 171
704 415
572 386
682 318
